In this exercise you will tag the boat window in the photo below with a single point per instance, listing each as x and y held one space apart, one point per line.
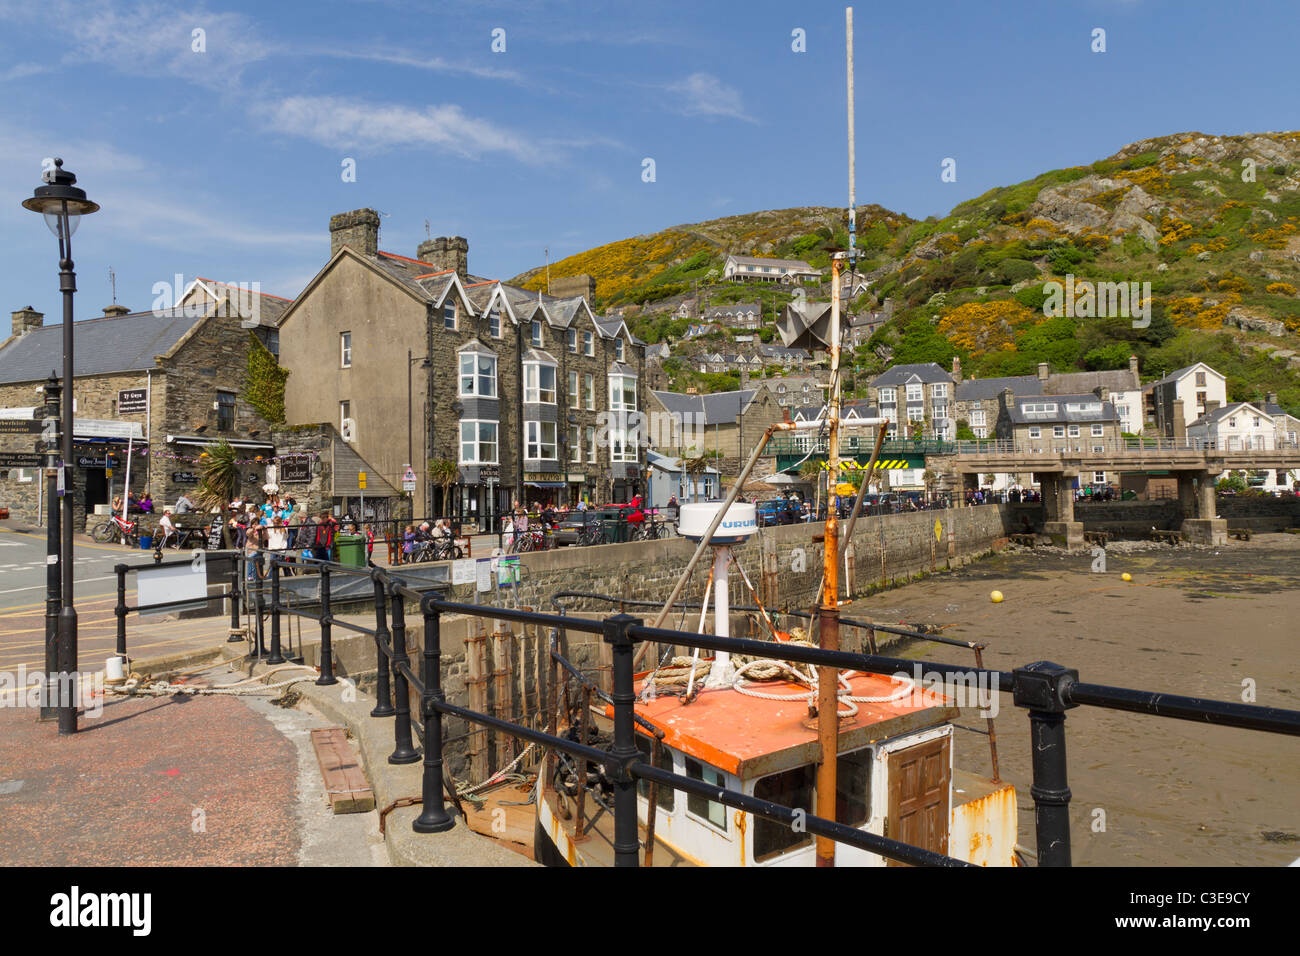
853 787
702 807
666 797
793 789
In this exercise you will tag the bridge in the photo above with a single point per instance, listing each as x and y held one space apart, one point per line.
1056 463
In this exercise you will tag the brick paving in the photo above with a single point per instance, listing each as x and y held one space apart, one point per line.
124 791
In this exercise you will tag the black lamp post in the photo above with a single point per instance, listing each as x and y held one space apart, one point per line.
53 594
63 204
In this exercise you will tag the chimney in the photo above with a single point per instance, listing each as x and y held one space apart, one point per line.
26 319
358 229
1271 398
1043 371
1102 392
1006 400
744 379
956 369
1133 370
115 310
445 253
567 286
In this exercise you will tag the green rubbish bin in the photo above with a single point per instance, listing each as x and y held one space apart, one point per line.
352 549
615 528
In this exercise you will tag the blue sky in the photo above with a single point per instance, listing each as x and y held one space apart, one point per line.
227 163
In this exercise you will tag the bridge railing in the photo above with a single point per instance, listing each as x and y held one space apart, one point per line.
1088 445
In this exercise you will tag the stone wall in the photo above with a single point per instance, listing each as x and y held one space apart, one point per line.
1136 518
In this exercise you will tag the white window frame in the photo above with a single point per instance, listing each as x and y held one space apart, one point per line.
589 390
592 450
476 374
575 444
535 443
1074 431
618 348
1098 431
534 393
1035 431
478 441
617 395
915 393
1058 431
535 334
575 392
939 390
345 350
889 396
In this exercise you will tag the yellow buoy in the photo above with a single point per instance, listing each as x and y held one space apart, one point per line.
996 597
1126 576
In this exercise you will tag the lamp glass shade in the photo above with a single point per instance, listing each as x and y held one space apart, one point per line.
52 220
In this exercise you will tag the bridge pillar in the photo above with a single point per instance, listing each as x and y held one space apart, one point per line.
1058 511
1206 527
1186 495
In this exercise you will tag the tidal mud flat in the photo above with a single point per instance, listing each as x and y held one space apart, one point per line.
1210 622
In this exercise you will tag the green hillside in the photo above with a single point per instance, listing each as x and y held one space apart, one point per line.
1212 223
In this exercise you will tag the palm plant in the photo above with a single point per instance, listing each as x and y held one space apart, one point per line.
219 482
444 473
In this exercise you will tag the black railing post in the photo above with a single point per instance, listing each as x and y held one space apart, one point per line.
383 698
258 604
327 677
236 569
403 749
120 570
433 816
276 657
627 843
1043 687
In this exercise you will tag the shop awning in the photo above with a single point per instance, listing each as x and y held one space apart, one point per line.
545 484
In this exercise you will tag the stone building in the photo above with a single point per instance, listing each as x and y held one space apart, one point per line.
522 395
726 425
1059 423
916 399
162 384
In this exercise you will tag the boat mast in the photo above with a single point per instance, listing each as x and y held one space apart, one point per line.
829 615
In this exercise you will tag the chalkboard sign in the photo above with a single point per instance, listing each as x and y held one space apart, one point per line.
185 478
214 533
295 469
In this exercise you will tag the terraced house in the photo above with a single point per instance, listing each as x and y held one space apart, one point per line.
491 393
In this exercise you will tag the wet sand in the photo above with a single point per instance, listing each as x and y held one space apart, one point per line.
1196 622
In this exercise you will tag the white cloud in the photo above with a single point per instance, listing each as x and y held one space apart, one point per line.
434 64
345 123
703 94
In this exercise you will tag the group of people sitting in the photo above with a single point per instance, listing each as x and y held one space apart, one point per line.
418 543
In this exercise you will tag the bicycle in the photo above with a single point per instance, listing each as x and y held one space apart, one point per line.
128 531
593 532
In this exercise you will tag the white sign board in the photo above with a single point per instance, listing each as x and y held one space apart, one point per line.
175 583
464 571
483 570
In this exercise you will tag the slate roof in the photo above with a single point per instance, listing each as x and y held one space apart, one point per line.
1226 411
126 343
983 389
718 408
1061 416
1073 383
928 372
1177 374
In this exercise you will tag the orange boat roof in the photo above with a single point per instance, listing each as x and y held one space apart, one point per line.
750 736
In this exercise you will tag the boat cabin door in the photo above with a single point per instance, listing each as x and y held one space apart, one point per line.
919 782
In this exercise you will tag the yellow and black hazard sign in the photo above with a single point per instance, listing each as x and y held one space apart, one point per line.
885 464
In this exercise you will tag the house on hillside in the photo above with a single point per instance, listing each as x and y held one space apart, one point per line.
785 271
1185 395
911 395
742 315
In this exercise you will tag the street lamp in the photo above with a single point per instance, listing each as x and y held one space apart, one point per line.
411 359
63 204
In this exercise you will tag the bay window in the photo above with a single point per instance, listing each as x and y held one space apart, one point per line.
539 441
539 384
478 443
478 374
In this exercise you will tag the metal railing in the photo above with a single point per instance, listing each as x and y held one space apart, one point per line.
1085 444
1045 689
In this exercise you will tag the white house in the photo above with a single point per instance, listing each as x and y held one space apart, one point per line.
1234 427
747 268
1198 387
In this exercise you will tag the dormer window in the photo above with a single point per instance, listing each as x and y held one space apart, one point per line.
618 349
588 344
535 334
